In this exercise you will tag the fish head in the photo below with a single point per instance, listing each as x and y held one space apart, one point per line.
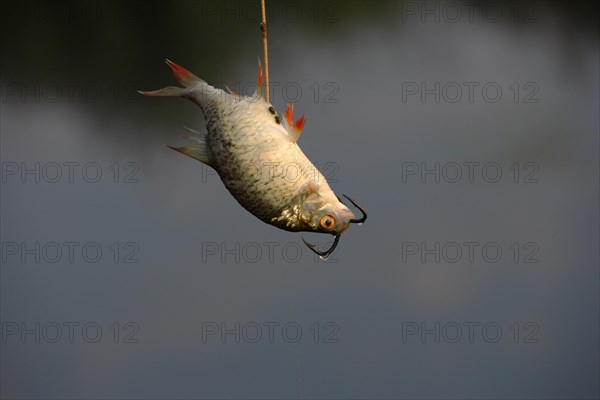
325 213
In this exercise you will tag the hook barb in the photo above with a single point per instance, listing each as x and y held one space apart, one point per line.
323 254
362 210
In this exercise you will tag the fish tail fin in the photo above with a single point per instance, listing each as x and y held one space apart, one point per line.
194 88
168 91
183 76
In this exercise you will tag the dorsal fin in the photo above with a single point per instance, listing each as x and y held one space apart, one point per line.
198 150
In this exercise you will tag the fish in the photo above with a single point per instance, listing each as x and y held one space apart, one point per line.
255 152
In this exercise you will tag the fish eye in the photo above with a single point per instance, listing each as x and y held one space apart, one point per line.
327 222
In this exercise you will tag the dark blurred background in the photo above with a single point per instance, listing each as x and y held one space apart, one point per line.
468 130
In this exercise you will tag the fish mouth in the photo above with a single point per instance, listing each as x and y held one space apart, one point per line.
353 220
347 218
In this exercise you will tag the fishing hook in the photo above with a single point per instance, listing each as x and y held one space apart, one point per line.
362 210
323 254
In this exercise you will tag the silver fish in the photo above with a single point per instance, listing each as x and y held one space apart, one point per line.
255 153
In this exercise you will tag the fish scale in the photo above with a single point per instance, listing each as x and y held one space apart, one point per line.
255 153
247 158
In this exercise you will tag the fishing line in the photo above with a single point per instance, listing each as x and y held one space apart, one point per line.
263 28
